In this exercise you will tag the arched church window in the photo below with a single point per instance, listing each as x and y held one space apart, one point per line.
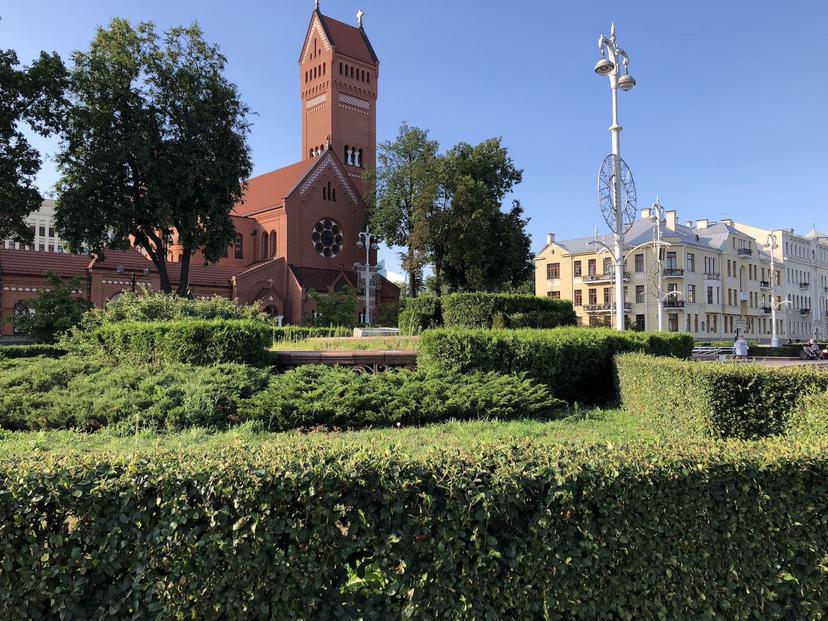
327 237
21 308
324 72
310 153
352 72
334 194
340 68
272 243
264 246
368 77
239 246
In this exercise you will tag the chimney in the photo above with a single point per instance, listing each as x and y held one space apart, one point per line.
702 224
672 219
689 224
727 221
645 213
550 238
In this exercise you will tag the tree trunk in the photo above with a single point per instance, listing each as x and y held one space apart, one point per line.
438 278
184 278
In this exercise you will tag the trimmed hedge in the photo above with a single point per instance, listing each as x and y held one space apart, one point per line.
291 334
420 313
727 531
87 395
478 310
12 352
337 397
712 399
576 363
193 341
811 418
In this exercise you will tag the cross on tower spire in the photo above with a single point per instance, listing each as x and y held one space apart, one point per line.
315 5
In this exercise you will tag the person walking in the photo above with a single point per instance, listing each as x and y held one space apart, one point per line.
740 348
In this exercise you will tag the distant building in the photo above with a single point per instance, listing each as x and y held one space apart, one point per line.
395 277
42 225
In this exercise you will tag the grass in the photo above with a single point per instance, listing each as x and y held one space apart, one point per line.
374 343
577 426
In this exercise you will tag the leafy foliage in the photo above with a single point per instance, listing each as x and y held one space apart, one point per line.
338 397
576 364
714 400
300 333
12 352
478 310
86 394
193 341
155 147
420 313
333 308
648 531
53 311
30 96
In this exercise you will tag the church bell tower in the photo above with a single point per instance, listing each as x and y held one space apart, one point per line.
338 82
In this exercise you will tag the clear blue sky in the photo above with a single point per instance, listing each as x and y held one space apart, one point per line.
728 118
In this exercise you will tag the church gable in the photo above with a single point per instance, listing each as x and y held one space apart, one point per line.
328 176
316 40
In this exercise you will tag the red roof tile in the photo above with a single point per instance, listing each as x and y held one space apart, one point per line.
37 263
212 275
320 279
130 260
348 39
270 189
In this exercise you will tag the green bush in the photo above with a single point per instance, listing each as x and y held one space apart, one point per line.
85 394
420 313
478 310
149 306
11 352
531 319
575 363
712 399
728 531
292 334
811 417
337 397
193 341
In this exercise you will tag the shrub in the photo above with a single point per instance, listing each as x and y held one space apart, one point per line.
194 341
478 310
420 313
53 311
300 333
333 308
149 306
575 363
810 418
727 531
85 394
531 319
712 399
11 352
337 397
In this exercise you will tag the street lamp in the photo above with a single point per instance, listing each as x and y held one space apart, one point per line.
615 178
368 241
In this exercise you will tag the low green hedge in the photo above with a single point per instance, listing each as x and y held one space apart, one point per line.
478 310
713 399
85 394
811 418
193 341
11 352
727 531
292 334
576 363
337 397
420 313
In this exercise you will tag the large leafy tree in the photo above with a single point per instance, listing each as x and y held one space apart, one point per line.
53 311
155 148
402 193
475 245
32 96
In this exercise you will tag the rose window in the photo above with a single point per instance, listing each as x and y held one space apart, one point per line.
327 237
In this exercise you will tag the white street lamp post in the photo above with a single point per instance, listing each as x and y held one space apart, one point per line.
772 246
368 241
610 67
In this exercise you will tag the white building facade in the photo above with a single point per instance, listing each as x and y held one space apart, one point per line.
42 224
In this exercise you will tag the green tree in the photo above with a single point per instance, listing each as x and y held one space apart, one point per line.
155 148
473 244
402 192
53 311
334 308
32 96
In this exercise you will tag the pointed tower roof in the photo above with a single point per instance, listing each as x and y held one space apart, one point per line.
348 40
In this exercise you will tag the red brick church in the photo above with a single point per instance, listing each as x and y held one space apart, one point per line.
297 227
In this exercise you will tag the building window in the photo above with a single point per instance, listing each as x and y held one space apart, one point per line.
672 322
554 294
265 240
640 323
691 294
607 295
691 262
239 246
591 267
43 231
607 266
639 263
553 271
593 296
327 237
576 267
639 294
710 295
21 308
579 298
272 243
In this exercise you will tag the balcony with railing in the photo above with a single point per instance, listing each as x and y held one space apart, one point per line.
673 272
605 308
764 284
804 311
744 252
605 277
766 310
712 276
804 285
673 303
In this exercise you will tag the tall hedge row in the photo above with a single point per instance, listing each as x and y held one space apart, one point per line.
480 310
715 400
725 531
576 363
193 341
420 313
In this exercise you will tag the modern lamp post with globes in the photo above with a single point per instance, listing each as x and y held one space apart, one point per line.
612 57
368 241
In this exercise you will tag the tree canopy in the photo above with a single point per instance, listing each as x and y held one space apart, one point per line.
155 149
52 311
32 96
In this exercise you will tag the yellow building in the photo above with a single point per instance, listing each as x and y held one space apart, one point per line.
715 280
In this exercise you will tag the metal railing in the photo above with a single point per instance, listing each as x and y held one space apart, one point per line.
712 276
606 276
764 284
673 272
673 303
744 252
